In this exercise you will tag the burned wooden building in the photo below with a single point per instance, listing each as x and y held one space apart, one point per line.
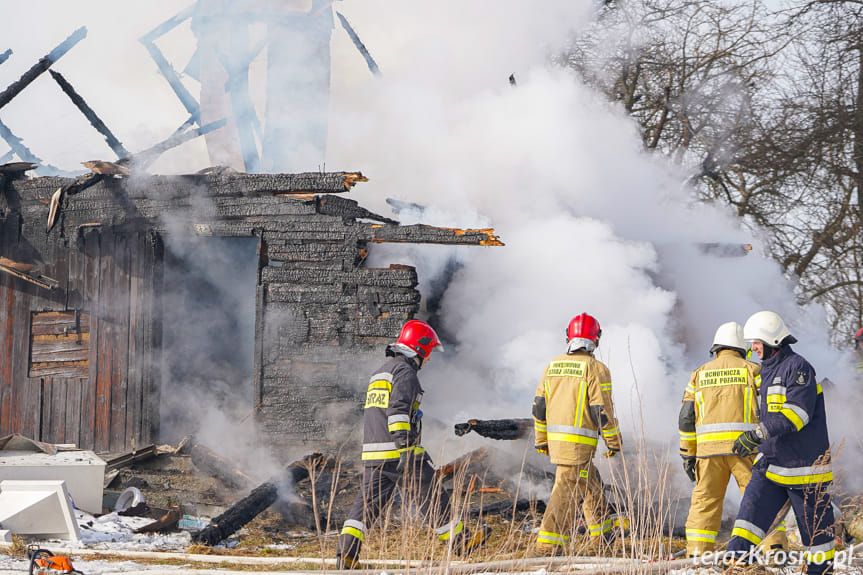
86 263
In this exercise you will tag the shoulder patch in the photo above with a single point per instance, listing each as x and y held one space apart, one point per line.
801 378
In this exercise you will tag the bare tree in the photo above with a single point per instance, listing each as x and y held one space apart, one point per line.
765 112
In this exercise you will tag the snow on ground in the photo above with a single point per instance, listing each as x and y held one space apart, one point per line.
116 532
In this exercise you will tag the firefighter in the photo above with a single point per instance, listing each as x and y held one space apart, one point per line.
572 408
720 403
793 464
392 455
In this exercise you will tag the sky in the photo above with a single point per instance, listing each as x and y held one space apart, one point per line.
590 222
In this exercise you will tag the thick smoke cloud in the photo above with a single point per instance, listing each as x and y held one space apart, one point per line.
591 223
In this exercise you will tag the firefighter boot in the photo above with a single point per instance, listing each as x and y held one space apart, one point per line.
469 542
347 562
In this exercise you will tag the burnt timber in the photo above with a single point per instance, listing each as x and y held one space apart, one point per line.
79 362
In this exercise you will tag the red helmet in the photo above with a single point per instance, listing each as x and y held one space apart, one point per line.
584 326
419 337
859 335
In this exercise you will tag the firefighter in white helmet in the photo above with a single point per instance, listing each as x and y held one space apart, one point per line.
571 410
719 404
793 463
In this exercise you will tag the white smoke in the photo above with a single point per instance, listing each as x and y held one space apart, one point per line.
591 223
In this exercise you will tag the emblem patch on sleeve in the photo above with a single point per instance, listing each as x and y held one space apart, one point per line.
801 378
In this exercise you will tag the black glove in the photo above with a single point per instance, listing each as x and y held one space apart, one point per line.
404 462
689 466
746 443
612 452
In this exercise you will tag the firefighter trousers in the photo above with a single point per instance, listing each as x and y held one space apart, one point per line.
764 499
419 487
574 485
712 475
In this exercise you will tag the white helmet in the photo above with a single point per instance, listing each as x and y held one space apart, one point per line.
729 335
767 327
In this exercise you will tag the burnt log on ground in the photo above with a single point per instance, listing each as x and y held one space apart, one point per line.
213 465
507 429
261 497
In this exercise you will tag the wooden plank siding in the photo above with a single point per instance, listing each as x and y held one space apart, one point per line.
72 361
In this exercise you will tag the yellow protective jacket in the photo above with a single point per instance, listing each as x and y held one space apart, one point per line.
573 407
720 403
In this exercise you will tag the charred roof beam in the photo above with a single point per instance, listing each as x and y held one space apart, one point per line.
90 114
423 234
43 64
5 55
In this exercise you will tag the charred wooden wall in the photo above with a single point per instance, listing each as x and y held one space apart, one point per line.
320 314
75 365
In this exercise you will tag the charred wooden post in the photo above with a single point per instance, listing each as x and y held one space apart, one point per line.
238 515
90 114
256 502
43 64
5 55
23 152
211 464
507 429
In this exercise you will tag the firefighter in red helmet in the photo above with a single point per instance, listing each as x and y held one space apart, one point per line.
392 453
571 410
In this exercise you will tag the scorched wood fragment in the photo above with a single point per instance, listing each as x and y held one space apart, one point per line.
257 501
422 234
496 428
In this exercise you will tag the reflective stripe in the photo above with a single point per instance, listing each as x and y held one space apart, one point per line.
701 535
379 446
687 435
605 386
748 531
712 427
610 432
699 401
820 553
399 422
539 426
383 377
799 475
454 527
354 529
381 451
573 430
579 409
776 390
552 538
572 438
721 431
747 405
690 389
795 414
606 526
758 380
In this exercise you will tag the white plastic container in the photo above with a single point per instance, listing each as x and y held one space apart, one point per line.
83 472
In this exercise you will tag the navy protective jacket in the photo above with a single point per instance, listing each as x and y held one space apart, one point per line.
794 422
